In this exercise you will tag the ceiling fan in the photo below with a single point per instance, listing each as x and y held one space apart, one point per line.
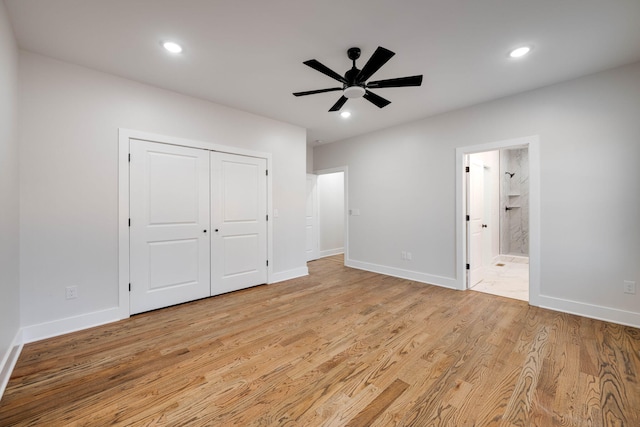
354 82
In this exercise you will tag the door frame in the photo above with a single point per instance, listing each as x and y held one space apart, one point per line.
124 136
345 237
533 145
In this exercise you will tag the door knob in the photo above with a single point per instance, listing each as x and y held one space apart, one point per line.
205 231
216 230
484 225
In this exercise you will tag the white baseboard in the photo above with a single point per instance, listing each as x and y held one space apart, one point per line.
70 324
9 361
607 314
330 252
445 282
281 276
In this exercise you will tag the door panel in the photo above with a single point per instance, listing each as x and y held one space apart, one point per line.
311 218
242 254
238 213
476 216
169 238
173 263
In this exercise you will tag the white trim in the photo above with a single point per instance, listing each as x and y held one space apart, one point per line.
330 252
445 282
592 311
533 144
9 361
281 276
123 223
67 325
184 142
345 170
124 136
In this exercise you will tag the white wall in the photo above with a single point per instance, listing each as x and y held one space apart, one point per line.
9 212
309 158
403 181
331 213
68 125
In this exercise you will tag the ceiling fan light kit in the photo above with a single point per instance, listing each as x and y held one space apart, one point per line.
354 92
354 81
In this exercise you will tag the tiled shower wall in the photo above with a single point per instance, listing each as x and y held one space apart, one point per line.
514 193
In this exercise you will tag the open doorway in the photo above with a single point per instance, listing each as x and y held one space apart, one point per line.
331 214
332 223
497 209
532 143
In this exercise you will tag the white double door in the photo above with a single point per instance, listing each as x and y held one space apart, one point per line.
198 224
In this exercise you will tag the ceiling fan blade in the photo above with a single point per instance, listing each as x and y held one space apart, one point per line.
325 70
338 105
377 60
377 100
399 82
312 92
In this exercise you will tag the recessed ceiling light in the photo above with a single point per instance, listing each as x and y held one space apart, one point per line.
172 47
520 52
345 114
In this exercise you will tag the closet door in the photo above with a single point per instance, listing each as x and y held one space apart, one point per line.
238 222
169 234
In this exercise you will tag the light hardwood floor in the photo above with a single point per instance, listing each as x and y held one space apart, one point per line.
341 347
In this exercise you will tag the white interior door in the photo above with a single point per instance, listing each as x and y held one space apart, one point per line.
312 233
239 222
169 234
476 220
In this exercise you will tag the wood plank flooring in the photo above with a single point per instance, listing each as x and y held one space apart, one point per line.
341 347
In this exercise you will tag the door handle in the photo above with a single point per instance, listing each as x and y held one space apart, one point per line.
484 225
216 230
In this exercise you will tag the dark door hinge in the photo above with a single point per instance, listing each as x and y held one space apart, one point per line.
466 168
129 287
468 267
266 172
267 263
129 222
467 217
267 217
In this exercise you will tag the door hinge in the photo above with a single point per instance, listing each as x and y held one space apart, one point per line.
129 222
267 217
466 168
129 156
468 267
467 217
267 263
129 287
266 172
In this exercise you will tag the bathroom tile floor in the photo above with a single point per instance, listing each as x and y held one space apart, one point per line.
511 279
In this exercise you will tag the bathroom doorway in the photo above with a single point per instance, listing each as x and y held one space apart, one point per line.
497 218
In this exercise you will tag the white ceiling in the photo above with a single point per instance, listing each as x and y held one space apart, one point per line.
248 54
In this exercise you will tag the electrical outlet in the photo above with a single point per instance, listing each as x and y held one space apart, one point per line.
403 255
629 287
71 292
